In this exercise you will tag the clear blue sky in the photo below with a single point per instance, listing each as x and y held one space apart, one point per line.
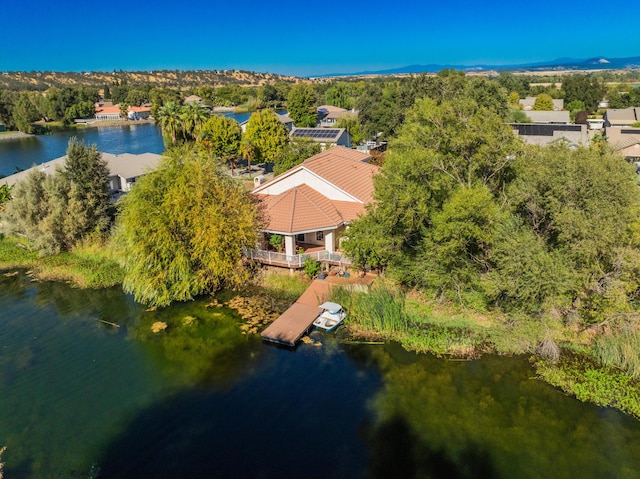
307 37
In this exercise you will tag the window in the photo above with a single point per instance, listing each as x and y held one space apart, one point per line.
300 238
319 235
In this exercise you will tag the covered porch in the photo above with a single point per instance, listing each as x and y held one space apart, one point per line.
321 245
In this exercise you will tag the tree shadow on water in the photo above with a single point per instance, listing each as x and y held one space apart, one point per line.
396 452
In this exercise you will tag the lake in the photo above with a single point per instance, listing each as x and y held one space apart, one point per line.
20 154
203 400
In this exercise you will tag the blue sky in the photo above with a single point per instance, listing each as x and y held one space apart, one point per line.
307 38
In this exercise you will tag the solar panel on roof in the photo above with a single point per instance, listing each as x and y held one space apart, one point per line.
316 133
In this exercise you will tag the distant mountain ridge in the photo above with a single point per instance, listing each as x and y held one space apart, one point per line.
559 64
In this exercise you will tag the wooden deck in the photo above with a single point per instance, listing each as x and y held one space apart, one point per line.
296 321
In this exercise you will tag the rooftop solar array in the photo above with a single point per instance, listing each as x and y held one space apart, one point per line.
317 133
533 129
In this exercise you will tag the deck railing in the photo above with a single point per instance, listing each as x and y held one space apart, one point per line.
295 260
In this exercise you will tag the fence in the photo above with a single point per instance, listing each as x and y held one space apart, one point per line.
295 260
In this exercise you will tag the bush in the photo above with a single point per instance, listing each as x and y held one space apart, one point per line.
311 267
276 241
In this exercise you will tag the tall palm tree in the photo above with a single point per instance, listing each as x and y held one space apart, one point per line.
248 151
170 121
193 117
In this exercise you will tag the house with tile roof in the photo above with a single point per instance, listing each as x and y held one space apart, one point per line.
112 112
311 205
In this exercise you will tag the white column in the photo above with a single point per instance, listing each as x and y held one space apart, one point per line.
329 241
289 245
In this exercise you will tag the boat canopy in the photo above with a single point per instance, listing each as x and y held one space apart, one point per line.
331 307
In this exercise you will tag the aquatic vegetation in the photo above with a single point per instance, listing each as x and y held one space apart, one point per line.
589 381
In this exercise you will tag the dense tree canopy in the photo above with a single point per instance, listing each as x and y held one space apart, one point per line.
466 211
182 230
55 212
266 135
590 90
220 137
296 151
543 103
301 104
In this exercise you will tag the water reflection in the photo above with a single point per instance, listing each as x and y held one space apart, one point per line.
491 418
200 399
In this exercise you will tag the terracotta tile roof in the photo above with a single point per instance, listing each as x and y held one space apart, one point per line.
116 109
299 209
348 169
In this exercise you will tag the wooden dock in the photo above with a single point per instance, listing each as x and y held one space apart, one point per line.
296 321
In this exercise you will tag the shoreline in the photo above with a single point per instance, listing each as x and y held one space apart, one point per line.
14 135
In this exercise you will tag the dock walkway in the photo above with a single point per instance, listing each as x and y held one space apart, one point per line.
296 321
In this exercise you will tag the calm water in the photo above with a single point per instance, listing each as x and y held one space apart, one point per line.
201 400
16 155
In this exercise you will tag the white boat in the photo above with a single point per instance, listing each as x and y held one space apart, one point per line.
331 316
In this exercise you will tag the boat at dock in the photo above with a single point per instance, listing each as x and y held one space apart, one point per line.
331 316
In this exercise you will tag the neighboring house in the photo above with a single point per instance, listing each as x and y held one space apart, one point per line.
327 137
549 117
312 203
329 115
284 119
595 123
540 134
528 102
112 112
626 141
619 118
194 99
124 169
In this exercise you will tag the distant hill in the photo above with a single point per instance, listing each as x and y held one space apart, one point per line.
161 78
559 64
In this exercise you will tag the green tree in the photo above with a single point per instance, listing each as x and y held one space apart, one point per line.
294 153
8 100
55 212
516 115
5 195
437 194
270 96
301 104
183 229
193 117
168 117
124 110
25 113
351 123
339 94
514 98
220 138
267 135
88 175
589 90
514 83
543 103
575 222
